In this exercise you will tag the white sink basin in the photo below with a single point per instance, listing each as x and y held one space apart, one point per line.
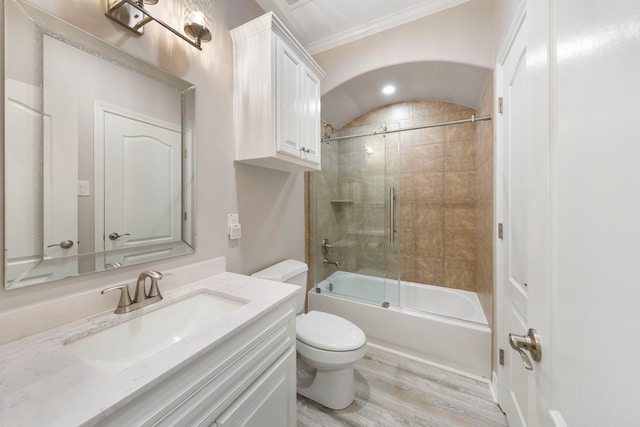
116 348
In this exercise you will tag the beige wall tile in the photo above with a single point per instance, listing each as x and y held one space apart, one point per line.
428 186
458 108
484 150
460 217
460 155
395 112
460 274
426 158
464 131
406 160
484 278
425 136
430 271
485 219
429 243
460 186
407 242
428 216
408 268
485 181
460 245
406 187
407 210
429 108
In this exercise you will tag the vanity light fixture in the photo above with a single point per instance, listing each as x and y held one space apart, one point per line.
132 15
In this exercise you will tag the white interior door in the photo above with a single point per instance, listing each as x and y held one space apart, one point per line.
142 187
512 249
590 372
41 204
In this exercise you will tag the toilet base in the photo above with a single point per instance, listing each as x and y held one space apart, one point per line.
334 389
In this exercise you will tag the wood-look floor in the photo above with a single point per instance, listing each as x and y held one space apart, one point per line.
396 391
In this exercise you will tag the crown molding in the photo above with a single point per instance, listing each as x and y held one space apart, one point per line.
378 25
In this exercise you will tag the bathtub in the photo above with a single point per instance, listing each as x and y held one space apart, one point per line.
443 326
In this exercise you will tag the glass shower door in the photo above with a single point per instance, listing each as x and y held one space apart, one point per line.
359 217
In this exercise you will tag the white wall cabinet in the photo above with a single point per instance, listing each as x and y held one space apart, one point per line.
276 98
248 380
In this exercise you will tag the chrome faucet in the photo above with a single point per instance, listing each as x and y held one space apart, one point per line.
326 247
141 298
334 262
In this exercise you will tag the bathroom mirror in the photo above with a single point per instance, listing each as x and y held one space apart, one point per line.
98 154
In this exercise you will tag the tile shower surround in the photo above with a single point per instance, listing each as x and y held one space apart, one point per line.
446 188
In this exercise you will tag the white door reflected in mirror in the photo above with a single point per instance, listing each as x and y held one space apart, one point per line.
142 188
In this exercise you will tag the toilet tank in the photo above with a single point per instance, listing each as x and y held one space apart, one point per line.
291 271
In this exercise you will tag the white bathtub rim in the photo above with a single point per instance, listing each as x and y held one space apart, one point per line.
479 317
434 316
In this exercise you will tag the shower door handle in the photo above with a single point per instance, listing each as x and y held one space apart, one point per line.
392 214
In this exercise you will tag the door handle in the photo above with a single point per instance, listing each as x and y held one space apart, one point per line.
65 244
116 236
392 214
529 342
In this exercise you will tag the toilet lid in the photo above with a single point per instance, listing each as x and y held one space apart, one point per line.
328 332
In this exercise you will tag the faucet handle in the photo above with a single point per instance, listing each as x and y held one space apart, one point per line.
125 298
154 291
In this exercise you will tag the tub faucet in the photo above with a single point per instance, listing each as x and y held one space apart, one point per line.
334 262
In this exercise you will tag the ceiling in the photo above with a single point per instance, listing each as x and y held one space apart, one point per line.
433 80
321 25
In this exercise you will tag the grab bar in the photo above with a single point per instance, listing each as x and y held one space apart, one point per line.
392 214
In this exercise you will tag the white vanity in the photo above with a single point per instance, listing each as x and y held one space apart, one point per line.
219 351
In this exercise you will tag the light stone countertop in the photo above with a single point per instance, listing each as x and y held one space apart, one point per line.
42 383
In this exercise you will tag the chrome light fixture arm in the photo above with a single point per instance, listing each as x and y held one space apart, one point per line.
132 15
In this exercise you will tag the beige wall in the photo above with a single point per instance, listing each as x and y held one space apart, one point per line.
462 34
504 12
270 203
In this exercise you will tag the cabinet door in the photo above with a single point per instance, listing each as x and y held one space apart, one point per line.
270 401
288 101
310 123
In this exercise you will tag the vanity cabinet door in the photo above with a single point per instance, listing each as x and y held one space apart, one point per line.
270 401
288 103
310 115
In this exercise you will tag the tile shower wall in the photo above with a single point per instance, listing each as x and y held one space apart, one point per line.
446 209
438 193
484 205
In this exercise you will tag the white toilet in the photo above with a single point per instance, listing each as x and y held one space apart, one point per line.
328 346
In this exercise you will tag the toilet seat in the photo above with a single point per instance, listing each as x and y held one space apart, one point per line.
325 331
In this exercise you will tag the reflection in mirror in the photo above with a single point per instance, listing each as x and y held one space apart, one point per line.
99 165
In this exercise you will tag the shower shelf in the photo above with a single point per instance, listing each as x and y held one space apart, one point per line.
341 201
